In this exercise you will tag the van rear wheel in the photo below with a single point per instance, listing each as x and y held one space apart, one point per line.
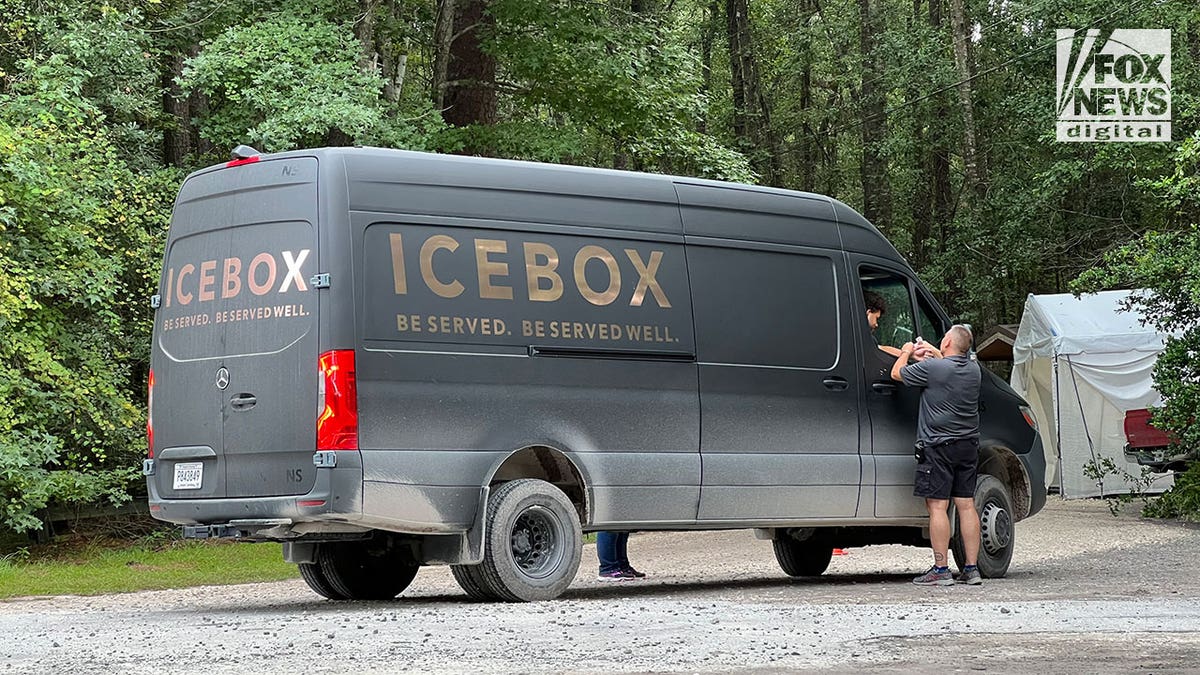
315 578
365 570
808 558
533 542
994 504
468 578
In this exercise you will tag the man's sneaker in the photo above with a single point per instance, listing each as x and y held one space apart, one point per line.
615 575
970 576
935 577
634 573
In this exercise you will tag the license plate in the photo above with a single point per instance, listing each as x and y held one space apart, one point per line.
188 476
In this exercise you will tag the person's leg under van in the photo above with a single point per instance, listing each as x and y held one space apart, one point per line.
610 548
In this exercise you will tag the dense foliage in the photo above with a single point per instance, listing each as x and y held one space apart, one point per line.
1166 265
933 117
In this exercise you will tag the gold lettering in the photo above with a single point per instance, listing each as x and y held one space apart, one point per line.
431 245
614 275
231 281
399 277
208 278
183 298
486 269
526 328
534 272
458 325
646 280
170 283
252 276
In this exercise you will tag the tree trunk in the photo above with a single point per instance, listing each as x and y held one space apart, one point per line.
177 137
707 36
471 72
364 30
751 114
876 194
972 162
443 31
809 142
392 56
939 147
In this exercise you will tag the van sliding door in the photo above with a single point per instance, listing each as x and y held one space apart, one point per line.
778 382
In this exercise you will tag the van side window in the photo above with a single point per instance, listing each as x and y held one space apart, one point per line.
764 308
895 325
929 325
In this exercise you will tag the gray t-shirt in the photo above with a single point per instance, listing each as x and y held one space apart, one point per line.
949 399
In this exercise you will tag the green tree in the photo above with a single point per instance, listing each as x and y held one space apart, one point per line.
78 257
1165 267
284 82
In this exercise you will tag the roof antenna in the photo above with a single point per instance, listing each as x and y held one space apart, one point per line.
243 152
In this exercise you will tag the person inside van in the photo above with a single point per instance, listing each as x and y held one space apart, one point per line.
876 308
612 550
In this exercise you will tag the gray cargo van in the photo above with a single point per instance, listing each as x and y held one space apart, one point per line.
389 359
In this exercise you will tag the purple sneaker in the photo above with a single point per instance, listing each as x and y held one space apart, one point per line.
935 577
634 573
615 575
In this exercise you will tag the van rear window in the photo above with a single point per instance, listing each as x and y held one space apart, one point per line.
237 290
491 287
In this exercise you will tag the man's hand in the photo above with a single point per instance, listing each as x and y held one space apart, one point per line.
906 353
926 351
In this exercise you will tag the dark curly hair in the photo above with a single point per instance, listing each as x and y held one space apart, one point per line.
875 302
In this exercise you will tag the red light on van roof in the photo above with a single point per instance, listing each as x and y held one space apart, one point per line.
337 425
239 162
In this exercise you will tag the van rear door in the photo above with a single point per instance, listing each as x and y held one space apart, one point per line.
235 336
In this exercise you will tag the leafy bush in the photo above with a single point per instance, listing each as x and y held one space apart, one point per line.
283 83
78 232
1182 500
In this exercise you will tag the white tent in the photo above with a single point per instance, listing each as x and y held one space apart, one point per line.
1081 363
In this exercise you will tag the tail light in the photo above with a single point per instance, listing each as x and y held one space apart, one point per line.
337 425
150 415
1027 413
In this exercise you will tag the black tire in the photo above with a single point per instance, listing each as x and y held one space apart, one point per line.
997 532
808 558
468 579
312 575
365 570
533 542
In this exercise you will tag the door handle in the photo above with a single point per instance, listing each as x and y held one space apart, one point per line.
835 383
886 388
243 401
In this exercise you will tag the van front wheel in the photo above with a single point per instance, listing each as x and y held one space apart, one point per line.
533 542
997 533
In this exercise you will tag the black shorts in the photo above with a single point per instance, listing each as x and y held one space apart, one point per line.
948 470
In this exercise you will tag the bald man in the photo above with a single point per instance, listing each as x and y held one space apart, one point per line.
948 445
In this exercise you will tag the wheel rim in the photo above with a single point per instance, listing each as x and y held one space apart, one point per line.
995 528
536 542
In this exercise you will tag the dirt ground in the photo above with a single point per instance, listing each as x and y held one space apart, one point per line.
1087 593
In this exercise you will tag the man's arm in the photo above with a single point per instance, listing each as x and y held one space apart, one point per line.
888 349
901 361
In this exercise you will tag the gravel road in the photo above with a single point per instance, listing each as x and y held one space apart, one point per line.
1087 593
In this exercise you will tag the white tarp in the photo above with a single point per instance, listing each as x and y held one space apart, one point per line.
1081 363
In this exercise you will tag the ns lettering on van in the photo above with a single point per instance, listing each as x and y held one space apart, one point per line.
468 286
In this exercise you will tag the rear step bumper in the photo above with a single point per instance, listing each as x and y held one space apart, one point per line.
334 501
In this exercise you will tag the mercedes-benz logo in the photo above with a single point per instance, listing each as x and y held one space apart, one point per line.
222 378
